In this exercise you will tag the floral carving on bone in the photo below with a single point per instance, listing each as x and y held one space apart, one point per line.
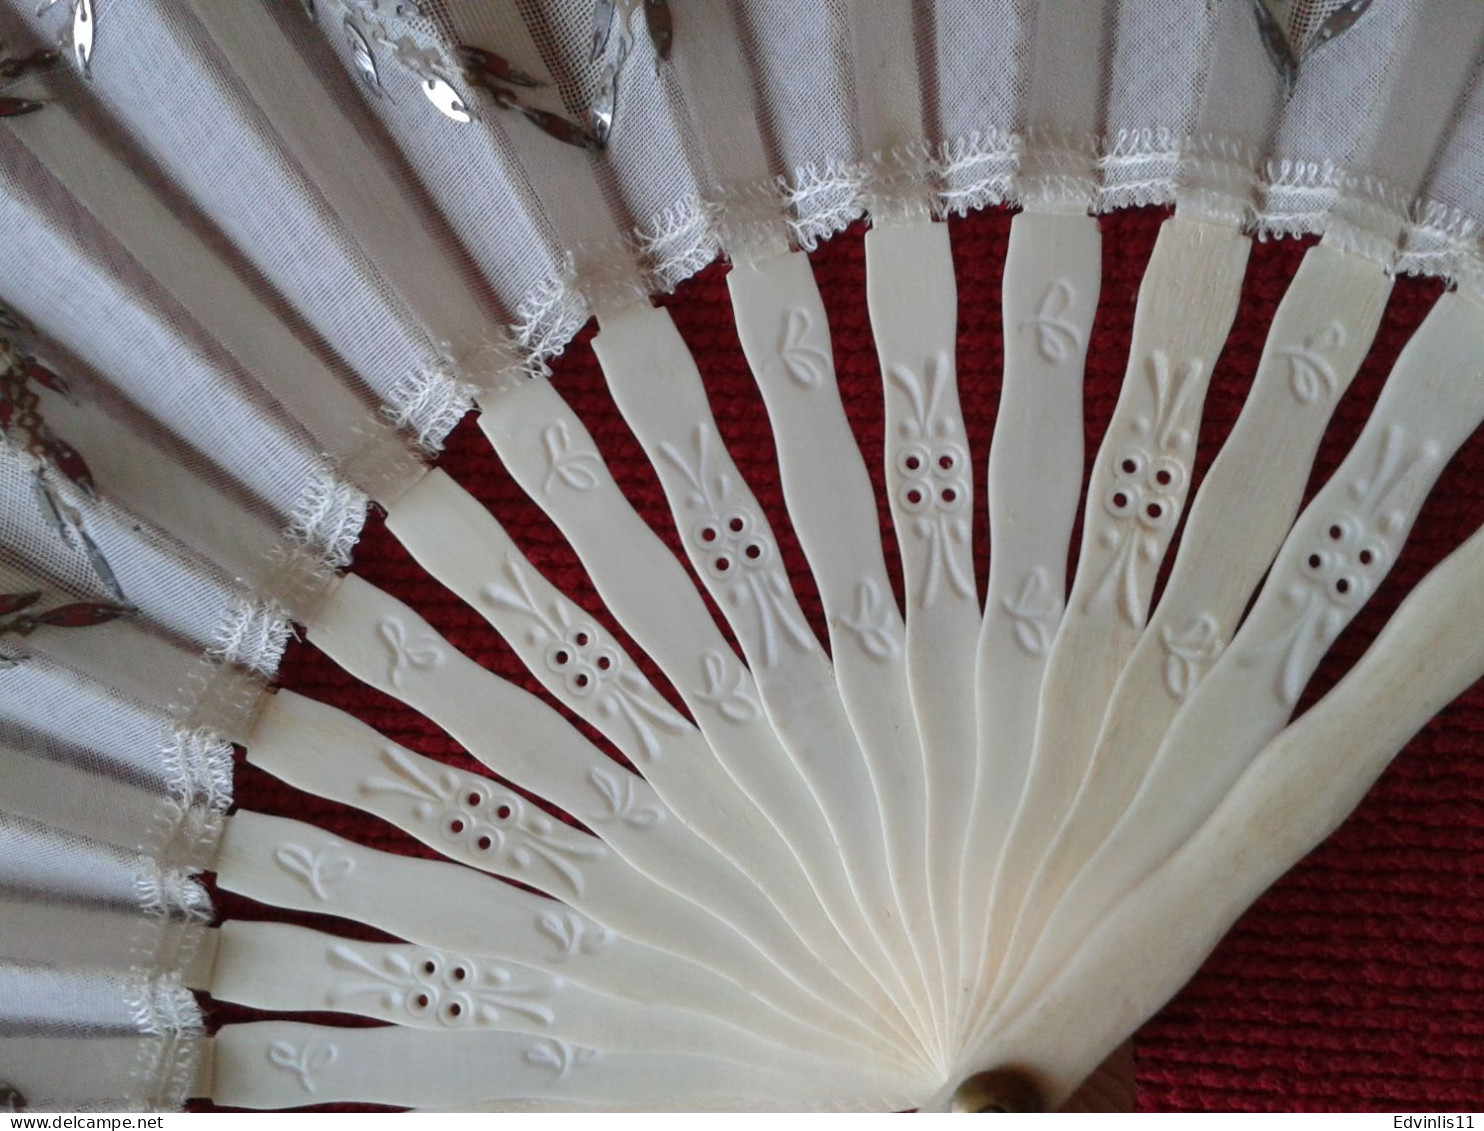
1057 336
872 624
456 992
804 361
494 827
619 792
932 477
1146 488
575 467
319 871
1311 374
1189 652
559 1056
590 666
734 550
406 655
1035 611
572 934
1338 572
303 1061
726 688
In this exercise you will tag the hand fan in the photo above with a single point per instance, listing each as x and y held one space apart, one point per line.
768 796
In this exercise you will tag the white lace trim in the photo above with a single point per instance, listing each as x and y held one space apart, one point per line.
1222 180
426 405
169 1015
328 519
253 637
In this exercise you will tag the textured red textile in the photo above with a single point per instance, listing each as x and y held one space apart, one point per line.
1357 983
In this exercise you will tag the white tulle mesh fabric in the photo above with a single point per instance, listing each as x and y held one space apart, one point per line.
356 265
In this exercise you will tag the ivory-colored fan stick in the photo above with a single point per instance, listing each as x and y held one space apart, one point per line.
588 671
726 535
446 907
1337 554
272 1065
460 543
784 333
913 301
1244 508
1135 493
548 451
581 665
1298 790
388 646
291 969
1050 295
478 822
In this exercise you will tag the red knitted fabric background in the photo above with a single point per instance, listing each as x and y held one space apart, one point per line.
1357 983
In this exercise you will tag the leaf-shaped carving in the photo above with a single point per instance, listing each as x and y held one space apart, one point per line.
319 870
1057 336
725 688
406 654
1310 373
577 469
1034 612
560 1056
1188 652
571 934
304 1061
872 623
617 790
805 363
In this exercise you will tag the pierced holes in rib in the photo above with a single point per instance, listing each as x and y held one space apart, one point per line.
708 535
455 1009
1336 532
485 844
459 973
456 826
580 640
912 463
474 798
736 525
945 462
723 564
561 657
422 1001
753 551
581 680
1315 561
1163 477
914 497
1342 585
1154 510
1130 465
949 494
1366 557
428 968
503 812
604 663
1120 500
